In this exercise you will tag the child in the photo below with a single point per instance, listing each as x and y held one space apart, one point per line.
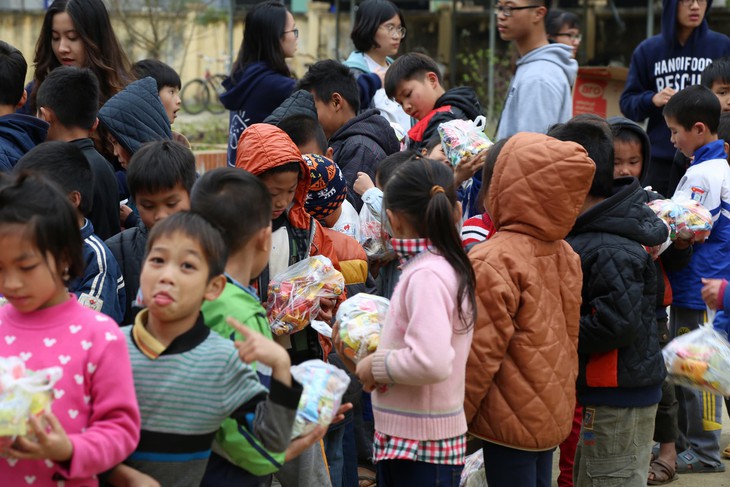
418 370
716 77
18 133
520 384
161 175
268 153
168 87
358 141
188 379
692 116
94 420
621 369
101 286
306 133
132 117
663 65
414 81
67 101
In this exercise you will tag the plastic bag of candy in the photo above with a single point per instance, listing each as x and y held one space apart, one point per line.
372 237
463 138
687 219
294 294
473 474
22 393
361 319
700 360
323 386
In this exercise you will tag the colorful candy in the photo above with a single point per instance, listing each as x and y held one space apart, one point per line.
687 219
323 387
462 138
361 319
700 360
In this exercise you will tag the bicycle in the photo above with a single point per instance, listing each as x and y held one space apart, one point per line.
204 94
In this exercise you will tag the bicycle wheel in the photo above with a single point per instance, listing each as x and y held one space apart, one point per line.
216 84
195 96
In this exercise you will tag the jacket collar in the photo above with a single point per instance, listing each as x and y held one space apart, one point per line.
152 348
713 150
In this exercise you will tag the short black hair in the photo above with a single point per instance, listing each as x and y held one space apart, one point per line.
368 18
220 195
51 221
160 166
556 19
197 228
64 164
73 95
13 69
408 67
598 143
490 162
288 167
694 104
325 78
303 129
387 167
162 73
431 144
625 135
723 128
717 72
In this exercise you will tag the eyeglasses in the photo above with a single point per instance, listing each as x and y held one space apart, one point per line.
573 37
398 32
296 33
507 10
688 3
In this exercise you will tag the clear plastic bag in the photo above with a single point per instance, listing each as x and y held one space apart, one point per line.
23 393
687 219
361 319
473 474
700 360
324 386
372 237
463 138
295 293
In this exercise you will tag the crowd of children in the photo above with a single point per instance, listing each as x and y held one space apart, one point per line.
529 303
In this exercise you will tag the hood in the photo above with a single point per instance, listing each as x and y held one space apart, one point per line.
23 131
356 60
262 147
136 115
625 214
539 185
669 24
372 125
299 103
245 85
558 54
463 98
626 124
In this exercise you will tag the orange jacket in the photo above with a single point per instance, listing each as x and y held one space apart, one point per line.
523 363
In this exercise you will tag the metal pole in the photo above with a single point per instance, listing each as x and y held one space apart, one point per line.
231 12
492 57
337 29
452 53
650 18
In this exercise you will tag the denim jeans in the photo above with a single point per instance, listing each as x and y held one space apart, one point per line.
399 473
614 447
508 467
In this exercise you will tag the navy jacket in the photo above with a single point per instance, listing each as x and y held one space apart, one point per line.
19 134
102 280
128 248
660 62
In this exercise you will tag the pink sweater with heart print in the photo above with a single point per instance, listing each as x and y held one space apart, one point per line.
94 400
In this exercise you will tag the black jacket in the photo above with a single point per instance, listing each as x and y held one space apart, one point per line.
457 103
105 210
128 248
360 145
620 357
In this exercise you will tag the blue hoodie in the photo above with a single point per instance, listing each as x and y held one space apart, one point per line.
660 62
19 134
255 93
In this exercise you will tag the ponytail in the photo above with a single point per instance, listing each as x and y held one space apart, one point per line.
423 191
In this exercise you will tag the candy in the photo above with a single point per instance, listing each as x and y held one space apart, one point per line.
323 387
360 320
462 138
700 360
294 294
687 219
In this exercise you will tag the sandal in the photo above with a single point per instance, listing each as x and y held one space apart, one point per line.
688 462
726 452
661 472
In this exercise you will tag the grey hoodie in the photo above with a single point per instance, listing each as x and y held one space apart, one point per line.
540 91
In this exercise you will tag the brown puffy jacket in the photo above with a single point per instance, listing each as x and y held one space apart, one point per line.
521 371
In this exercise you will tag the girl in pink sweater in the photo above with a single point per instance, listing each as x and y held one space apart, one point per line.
95 422
418 370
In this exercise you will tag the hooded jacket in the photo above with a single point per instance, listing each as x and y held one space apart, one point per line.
359 145
267 147
300 102
128 249
660 62
136 115
621 362
521 371
18 135
457 103
540 93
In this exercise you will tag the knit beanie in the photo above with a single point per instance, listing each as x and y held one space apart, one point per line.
328 189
